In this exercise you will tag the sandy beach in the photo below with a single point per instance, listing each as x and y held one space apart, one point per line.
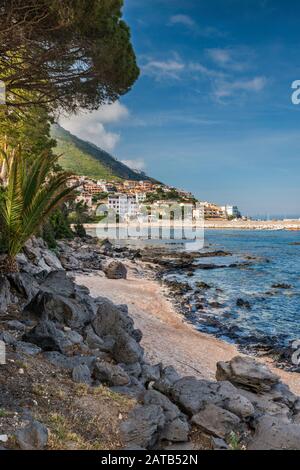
167 337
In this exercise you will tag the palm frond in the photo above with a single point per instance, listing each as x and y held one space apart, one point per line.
32 192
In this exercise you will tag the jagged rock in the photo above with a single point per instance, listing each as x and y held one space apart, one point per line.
143 426
243 303
27 348
110 374
108 318
58 283
64 362
48 337
245 372
219 444
273 434
16 325
25 284
133 370
48 305
137 334
126 349
5 295
7 338
73 337
82 374
115 270
267 404
134 390
176 427
92 340
192 395
40 257
168 378
33 437
216 421
151 373
281 286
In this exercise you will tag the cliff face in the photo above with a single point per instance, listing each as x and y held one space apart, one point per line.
75 367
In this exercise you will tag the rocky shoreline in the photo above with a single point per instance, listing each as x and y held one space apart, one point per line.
46 316
192 303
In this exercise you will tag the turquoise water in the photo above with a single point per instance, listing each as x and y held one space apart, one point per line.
274 316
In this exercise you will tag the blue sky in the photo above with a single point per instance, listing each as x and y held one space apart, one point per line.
212 110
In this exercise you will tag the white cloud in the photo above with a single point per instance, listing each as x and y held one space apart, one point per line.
182 19
237 59
138 164
170 68
90 126
224 89
220 56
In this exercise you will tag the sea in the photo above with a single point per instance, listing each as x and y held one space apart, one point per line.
263 270
259 263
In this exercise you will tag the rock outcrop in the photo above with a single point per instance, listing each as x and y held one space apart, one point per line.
96 343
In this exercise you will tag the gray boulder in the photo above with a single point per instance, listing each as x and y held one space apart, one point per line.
59 360
48 337
32 437
143 426
167 379
27 348
40 257
133 370
115 270
151 373
110 318
16 325
216 421
176 427
274 434
245 372
59 283
92 340
5 295
267 404
82 374
7 338
192 395
48 305
126 349
25 284
110 374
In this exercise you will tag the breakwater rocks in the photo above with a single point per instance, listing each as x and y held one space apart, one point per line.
45 314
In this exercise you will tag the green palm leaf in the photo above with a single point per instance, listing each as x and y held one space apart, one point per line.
32 192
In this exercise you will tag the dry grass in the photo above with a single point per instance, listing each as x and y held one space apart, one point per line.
77 416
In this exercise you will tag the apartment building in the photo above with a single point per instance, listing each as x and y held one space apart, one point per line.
231 211
123 205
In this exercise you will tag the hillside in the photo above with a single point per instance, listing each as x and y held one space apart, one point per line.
84 158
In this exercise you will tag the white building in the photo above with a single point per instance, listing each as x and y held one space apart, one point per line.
123 205
231 211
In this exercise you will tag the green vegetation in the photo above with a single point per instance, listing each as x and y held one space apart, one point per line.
71 54
82 158
32 192
171 195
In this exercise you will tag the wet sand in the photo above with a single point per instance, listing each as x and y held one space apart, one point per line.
167 337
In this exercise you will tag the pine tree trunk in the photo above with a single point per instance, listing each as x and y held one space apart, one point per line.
9 265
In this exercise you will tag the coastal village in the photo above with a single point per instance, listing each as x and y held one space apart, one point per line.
127 198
